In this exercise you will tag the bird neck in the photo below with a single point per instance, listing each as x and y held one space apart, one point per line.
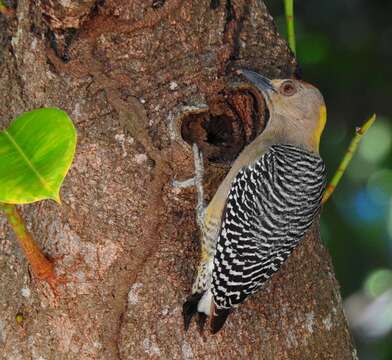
281 130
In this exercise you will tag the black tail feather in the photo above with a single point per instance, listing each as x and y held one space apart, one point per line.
190 308
218 318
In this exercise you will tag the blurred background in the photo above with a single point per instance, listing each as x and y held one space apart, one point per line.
345 48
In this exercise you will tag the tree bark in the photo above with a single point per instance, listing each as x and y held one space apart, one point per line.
131 74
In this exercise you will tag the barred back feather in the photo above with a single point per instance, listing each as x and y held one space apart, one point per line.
271 204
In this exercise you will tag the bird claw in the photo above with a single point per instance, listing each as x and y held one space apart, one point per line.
199 173
183 184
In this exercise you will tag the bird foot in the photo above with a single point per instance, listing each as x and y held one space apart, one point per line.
196 181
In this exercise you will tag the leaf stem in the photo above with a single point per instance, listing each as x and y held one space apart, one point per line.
359 133
4 9
42 268
289 11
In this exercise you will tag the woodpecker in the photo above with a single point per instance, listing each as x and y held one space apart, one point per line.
264 206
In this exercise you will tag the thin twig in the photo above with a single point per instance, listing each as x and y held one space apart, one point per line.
360 132
289 11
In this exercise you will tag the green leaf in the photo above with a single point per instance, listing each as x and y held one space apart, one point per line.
36 152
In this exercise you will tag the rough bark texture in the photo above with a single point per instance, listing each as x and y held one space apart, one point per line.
126 71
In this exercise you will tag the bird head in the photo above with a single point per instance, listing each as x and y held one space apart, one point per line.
297 109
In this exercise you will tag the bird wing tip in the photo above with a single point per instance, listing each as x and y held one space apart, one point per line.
218 318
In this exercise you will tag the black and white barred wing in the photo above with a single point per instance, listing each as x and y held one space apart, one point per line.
270 206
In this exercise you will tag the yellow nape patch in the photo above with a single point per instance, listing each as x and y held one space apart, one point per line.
320 125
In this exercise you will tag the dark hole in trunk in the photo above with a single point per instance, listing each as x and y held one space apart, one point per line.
218 130
233 120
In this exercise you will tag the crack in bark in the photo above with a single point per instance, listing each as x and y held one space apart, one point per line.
231 33
20 81
99 25
156 4
214 4
162 174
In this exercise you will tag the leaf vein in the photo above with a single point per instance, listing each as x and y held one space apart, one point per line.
26 159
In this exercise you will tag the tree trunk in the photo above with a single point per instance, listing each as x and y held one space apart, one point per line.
141 80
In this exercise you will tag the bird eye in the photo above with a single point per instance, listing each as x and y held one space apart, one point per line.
288 88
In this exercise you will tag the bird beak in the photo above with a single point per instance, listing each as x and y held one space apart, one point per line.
260 81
